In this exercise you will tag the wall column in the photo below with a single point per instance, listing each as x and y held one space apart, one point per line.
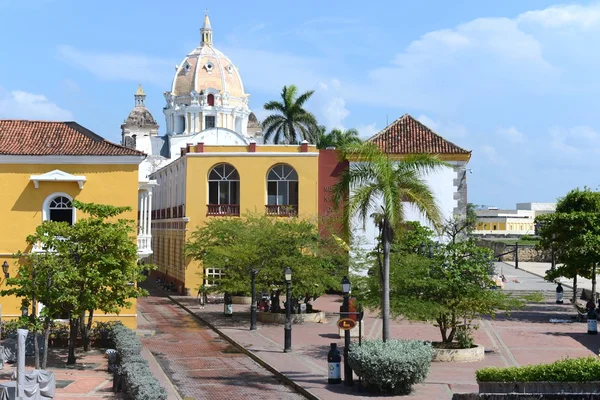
149 213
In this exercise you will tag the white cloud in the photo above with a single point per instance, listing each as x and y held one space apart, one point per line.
119 66
366 131
329 107
512 135
449 130
564 15
18 104
491 155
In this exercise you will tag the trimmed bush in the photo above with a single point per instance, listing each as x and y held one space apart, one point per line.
139 381
567 370
391 367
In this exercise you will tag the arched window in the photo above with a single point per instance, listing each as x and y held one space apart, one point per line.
223 190
282 190
58 207
211 99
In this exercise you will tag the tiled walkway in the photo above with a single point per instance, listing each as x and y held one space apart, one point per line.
521 338
199 363
89 378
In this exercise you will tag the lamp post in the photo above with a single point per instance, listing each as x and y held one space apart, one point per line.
253 305
5 269
346 287
287 344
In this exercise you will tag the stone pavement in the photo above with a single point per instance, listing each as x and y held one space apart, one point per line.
200 363
540 269
523 337
89 378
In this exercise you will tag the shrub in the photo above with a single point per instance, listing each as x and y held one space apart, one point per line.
140 383
393 366
566 370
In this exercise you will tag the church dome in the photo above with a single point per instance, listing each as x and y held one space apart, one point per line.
207 68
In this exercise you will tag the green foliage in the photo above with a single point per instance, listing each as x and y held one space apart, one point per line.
140 383
337 138
87 266
268 245
450 289
573 231
393 366
292 124
567 370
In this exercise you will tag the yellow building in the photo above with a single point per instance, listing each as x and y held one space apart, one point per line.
224 181
46 165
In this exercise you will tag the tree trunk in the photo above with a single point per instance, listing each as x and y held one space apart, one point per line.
385 296
594 283
73 329
47 322
575 288
33 318
442 327
85 328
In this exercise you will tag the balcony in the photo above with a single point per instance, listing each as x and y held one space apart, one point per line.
281 210
144 243
222 210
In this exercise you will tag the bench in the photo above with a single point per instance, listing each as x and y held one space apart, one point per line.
581 312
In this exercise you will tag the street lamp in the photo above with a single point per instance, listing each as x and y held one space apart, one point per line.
5 269
346 288
253 305
287 346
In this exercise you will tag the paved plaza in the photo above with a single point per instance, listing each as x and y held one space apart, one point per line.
523 337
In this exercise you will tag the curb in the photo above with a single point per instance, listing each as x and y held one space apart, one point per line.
281 377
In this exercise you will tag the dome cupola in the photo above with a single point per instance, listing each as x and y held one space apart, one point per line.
207 91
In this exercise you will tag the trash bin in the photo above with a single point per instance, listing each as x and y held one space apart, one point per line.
592 323
228 305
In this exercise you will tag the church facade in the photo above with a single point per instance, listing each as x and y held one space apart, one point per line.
212 163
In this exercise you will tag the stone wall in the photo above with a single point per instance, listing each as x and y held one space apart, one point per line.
527 253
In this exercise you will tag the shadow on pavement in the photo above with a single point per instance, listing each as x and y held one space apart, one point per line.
589 341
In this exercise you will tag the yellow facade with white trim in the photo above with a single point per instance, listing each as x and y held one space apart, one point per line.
21 211
184 183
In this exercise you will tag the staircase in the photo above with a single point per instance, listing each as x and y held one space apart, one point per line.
549 295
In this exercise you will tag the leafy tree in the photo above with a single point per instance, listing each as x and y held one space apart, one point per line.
574 233
376 186
292 123
338 138
90 265
267 245
450 286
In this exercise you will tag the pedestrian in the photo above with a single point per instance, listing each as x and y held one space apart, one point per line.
590 306
559 294
202 296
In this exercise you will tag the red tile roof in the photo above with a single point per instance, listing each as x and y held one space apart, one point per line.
46 138
406 135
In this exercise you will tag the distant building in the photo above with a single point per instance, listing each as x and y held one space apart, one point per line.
521 221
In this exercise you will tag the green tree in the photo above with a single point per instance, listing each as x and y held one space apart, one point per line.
376 186
267 245
90 265
448 284
338 138
292 123
574 233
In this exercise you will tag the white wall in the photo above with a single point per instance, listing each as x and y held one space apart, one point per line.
442 183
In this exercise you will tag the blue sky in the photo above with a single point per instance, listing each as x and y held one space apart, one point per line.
514 81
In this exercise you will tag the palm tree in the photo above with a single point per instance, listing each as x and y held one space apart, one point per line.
337 138
374 185
292 124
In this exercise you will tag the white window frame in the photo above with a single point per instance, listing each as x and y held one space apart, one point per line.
46 206
211 276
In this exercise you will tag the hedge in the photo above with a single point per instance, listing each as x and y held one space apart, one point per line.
393 366
139 381
566 370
